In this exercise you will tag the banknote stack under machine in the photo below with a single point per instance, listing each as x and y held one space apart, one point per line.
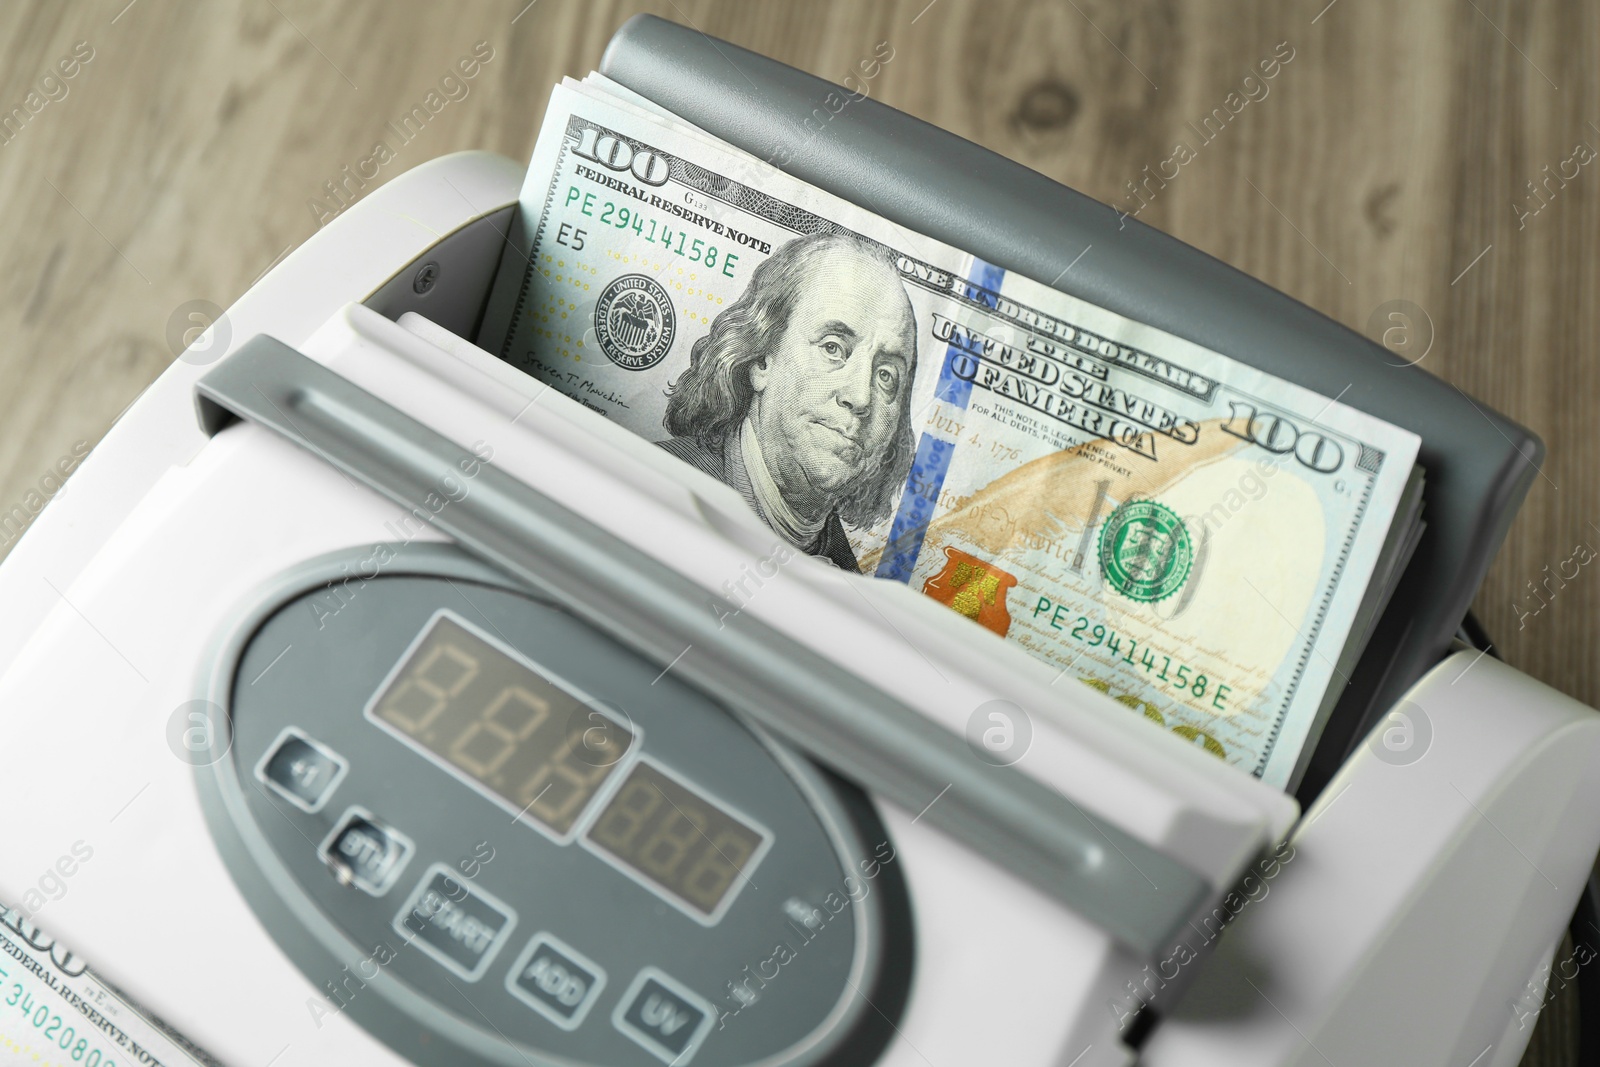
718 607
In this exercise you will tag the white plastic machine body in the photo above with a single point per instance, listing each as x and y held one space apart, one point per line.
1419 898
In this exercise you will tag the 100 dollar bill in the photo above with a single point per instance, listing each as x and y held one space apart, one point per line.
1184 532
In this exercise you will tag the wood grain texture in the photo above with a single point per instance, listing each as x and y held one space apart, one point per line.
1387 163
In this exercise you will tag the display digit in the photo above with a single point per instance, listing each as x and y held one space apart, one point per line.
556 790
622 821
680 831
514 700
433 693
718 865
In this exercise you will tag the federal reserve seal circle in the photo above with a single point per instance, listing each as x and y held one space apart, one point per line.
1145 551
634 322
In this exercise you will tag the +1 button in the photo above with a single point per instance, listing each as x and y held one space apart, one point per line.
301 770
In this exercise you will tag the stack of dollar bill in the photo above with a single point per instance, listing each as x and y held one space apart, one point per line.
1206 543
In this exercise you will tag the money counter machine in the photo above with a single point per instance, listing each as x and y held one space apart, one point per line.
222 646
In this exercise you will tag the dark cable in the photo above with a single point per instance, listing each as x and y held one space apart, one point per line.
1473 633
1586 933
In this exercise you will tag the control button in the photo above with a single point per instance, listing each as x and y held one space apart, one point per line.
363 852
556 981
665 1017
302 771
455 922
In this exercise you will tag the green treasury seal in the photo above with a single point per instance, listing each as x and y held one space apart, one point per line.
1145 551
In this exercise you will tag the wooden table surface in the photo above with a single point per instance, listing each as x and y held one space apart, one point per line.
1386 172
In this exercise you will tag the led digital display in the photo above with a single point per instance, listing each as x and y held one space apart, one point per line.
677 840
502 724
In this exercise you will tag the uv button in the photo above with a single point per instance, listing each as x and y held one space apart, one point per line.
662 1015
460 926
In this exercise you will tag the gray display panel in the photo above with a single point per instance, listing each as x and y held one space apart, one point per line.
448 971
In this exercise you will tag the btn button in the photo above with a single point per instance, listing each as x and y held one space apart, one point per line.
302 771
459 926
365 853
662 1015
553 979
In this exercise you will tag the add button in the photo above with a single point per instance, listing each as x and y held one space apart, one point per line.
459 926
664 1016
552 978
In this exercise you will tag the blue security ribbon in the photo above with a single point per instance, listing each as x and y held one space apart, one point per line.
934 452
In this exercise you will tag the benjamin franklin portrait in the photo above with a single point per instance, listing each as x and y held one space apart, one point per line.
799 396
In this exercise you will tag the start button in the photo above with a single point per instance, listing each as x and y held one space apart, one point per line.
459 925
